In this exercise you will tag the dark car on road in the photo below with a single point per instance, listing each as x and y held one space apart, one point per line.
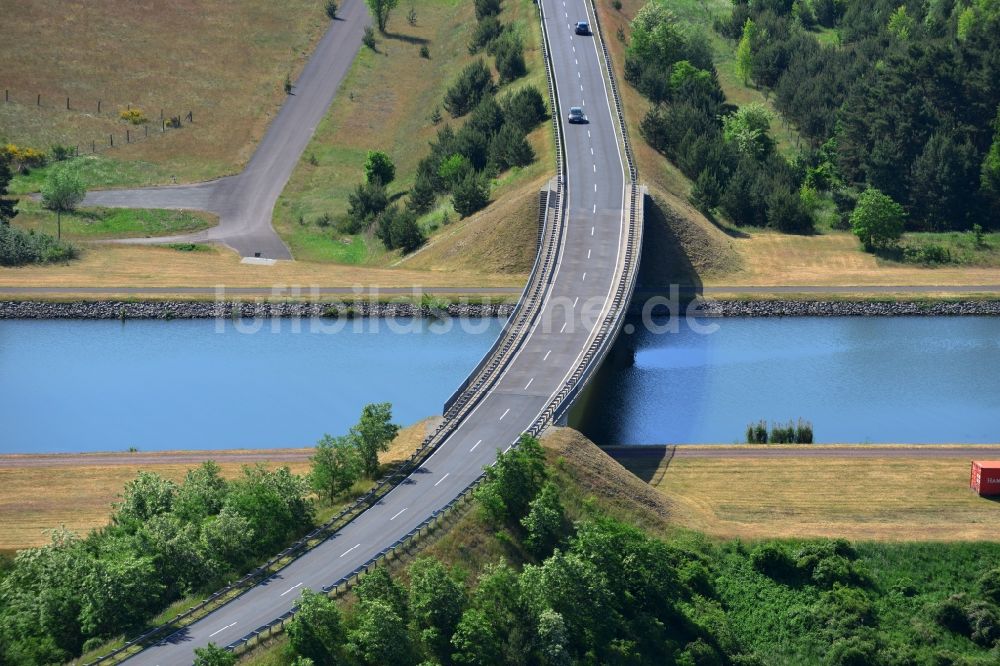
582 28
576 115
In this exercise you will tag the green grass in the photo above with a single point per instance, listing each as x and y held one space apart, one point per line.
101 223
385 103
962 246
95 171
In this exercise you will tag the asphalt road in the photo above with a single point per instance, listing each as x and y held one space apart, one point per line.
244 202
586 273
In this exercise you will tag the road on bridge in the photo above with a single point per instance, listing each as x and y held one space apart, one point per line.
244 202
586 273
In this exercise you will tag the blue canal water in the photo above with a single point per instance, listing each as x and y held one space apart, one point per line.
857 379
108 385
154 385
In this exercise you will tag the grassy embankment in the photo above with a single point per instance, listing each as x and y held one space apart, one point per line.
42 492
386 103
699 252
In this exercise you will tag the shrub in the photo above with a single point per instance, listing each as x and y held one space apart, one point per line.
932 253
486 8
18 247
425 52
510 148
133 115
617 4
757 432
472 85
324 220
331 9
398 229
22 159
60 153
365 204
877 220
984 623
421 197
454 170
989 585
368 39
508 49
525 108
950 614
411 16
771 559
852 651
470 195
486 31
379 168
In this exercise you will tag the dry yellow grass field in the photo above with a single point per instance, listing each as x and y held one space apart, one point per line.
896 499
143 266
42 492
224 61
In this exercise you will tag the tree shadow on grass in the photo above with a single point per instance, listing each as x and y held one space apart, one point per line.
409 39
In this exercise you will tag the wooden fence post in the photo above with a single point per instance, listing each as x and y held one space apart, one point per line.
6 95
128 137
39 102
98 106
93 146
112 140
146 127
67 103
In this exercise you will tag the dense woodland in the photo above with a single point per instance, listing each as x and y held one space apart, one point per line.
907 101
899 98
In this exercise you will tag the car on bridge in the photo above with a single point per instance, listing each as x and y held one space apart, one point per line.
582 28
576 115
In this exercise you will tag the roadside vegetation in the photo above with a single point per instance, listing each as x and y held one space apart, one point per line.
168 541
17 246
414 98
561 560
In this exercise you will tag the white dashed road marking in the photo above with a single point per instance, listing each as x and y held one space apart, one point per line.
290 589
350 549
400 511
504 414
546 357
529 383
442 479
475 445
563 326
223 629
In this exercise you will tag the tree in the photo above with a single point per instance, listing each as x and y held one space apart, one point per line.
366 203
436 603
990 171
373 433
706 191
743 53
336 465
202 493
381 9
274 502
513 482
474 83
315 631
552 639
747 129
454 169
475 642
877 220
145 496
213 655
380 636
404 233
331 9
901 25
508 50
62 192
227 539
421 198
546 523
378 585
379 168
471 194
510 148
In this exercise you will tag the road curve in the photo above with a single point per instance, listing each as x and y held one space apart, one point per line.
587 272
244 203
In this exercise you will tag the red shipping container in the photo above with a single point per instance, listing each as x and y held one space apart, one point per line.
985 477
